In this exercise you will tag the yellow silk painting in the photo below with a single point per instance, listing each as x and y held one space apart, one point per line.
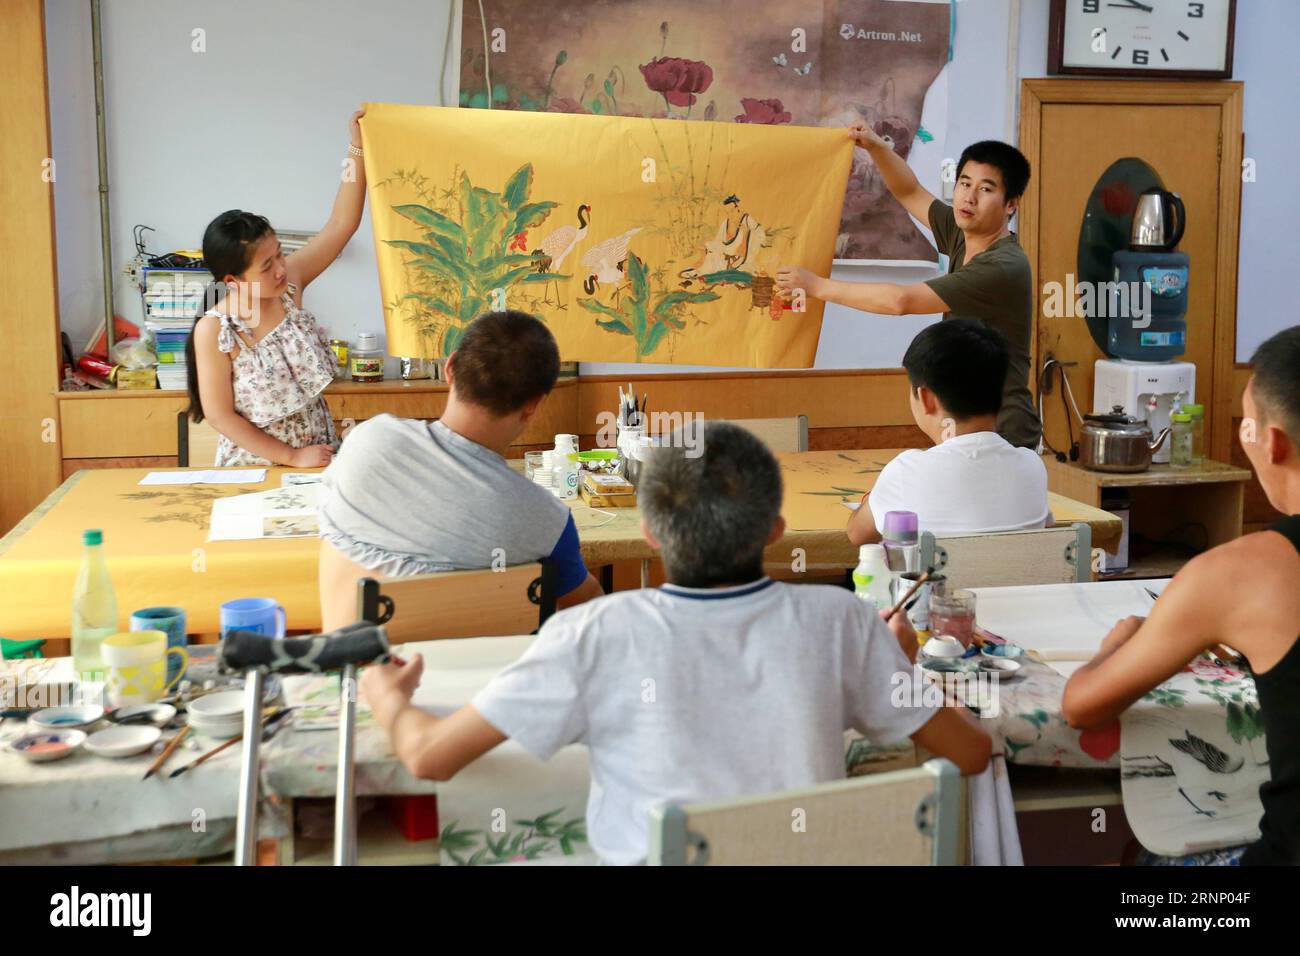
634 240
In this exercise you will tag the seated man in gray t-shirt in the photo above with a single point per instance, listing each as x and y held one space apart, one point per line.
404 496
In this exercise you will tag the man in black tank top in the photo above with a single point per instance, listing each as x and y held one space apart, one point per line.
1206 604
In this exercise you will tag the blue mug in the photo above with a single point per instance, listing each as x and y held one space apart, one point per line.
263 615
171 621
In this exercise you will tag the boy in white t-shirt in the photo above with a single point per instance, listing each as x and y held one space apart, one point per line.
973 480
722 682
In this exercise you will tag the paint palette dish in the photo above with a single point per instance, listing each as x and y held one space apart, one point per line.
122 741
999 668
48 745
1002 651
144 715
947 665
77 717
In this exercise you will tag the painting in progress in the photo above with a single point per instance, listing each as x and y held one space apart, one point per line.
634 239
747 62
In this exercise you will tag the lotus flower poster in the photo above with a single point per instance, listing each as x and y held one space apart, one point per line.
754 62
634 239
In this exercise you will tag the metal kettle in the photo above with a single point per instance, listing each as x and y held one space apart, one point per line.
1152 228
1117 443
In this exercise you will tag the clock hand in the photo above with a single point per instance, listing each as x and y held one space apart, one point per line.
1132 5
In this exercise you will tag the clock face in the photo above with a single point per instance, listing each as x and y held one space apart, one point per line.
1137 35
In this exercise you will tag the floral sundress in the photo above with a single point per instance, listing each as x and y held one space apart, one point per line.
279 382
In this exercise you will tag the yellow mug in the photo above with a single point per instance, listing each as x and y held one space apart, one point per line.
135 665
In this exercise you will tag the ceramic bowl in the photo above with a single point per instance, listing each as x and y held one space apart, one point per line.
48 745
222 705
1002 651
76 717
123 741
999 668
945 647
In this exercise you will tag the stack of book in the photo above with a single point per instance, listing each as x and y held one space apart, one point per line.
173 299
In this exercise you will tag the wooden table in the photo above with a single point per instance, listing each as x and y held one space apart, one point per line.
46 818
157 552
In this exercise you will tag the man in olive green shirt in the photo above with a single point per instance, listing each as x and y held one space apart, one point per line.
988 278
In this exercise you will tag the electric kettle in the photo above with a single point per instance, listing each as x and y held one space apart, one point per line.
1152 227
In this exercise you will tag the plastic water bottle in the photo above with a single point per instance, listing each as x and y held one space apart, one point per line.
94 606
872 579
566 468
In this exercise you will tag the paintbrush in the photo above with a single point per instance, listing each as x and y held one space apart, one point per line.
167 752
267 724
906 597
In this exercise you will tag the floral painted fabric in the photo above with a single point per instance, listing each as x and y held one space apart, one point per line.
1025 719
278 382
1192 760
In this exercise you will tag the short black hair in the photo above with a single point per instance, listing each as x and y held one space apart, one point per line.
1277 380
504 361
711 511
1009 161
964 362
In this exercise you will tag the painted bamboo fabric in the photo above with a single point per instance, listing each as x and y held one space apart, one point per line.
1193 758
633 239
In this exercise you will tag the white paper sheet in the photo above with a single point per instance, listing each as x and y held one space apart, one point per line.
289 512
211 476
1065 622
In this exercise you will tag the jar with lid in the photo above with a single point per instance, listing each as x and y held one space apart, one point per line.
366 361
1198 432
1180 451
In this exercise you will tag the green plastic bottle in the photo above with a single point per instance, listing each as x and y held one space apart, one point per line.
94 606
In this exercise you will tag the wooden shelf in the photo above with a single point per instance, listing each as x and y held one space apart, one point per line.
1208 472
379 843
1035 789
1164 563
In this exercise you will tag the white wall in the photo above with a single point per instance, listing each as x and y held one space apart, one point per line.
259 122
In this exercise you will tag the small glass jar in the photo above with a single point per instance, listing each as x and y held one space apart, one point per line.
1198 432
366 361
1180 437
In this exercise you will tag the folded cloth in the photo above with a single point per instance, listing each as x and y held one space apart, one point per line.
994 839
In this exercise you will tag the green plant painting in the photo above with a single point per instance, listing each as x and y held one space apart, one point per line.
543 835
637 317
465 263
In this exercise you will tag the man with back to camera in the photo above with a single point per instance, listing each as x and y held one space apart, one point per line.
405 497
973 480
989 278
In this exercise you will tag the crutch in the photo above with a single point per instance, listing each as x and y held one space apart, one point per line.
256 655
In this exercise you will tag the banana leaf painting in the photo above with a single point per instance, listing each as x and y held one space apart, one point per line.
633 239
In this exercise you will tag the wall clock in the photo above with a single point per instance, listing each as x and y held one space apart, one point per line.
1189 39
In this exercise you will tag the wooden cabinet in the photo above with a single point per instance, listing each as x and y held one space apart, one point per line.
845 409
1176 510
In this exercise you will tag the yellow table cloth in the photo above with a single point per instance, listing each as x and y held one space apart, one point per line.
155 543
